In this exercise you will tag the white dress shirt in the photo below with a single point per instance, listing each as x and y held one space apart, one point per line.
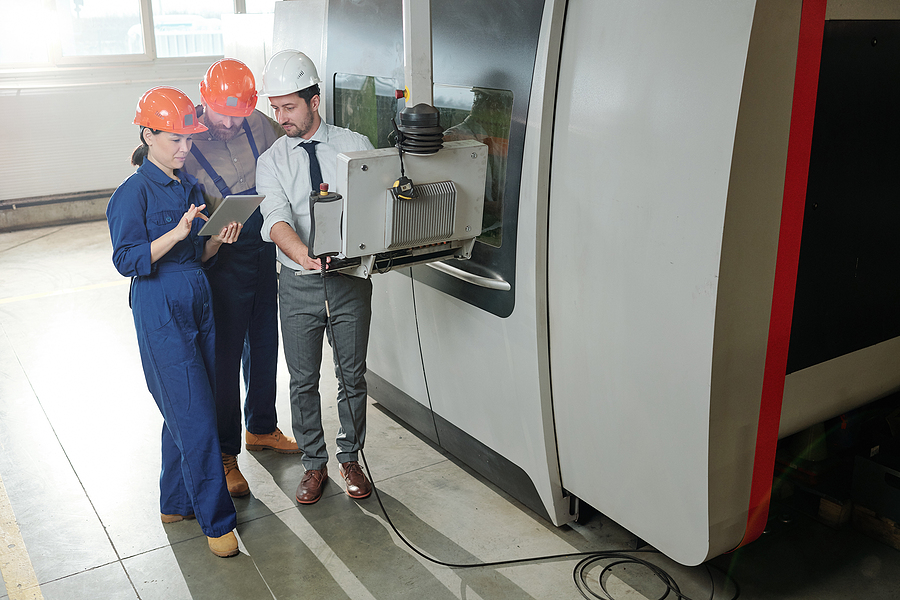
282 174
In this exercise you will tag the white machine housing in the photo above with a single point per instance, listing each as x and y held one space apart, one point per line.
632 330
384 231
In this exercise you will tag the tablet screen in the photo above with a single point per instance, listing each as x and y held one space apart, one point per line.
233 208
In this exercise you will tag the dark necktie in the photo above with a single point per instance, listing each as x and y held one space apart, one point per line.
315 173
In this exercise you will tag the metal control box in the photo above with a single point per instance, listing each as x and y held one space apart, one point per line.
441 222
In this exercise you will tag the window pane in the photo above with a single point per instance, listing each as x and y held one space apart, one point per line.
260 6
24 35
366 105
99 27
189 28
485 115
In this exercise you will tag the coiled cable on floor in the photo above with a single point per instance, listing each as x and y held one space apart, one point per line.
624 557
581 570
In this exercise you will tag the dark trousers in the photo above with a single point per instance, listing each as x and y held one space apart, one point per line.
245 286
303 324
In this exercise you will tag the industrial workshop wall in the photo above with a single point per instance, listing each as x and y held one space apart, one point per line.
74 133
69 130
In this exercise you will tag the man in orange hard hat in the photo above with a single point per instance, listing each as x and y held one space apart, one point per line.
243 279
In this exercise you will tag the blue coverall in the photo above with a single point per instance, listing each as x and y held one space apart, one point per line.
172 307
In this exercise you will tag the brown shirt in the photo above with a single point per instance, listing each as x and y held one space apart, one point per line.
232 160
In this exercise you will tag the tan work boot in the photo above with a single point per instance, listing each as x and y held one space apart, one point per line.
276 441
237 485
223 546
175 518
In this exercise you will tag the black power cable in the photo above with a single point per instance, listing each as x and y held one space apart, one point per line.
624 557
580 572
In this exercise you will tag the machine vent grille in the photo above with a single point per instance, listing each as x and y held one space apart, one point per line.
427 218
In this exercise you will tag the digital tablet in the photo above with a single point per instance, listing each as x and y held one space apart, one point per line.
233 208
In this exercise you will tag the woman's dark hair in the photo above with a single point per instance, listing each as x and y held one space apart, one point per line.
307 93
140 153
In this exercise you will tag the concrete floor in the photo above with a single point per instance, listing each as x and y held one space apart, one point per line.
79 461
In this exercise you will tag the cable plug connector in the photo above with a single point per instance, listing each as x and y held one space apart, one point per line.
405 188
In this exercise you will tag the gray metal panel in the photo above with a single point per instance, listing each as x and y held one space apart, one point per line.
495 467
365 37
496 339
492 45
427 218
488 375
747 265
300 25
647 107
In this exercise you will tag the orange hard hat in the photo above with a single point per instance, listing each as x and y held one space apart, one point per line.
229 88
167 109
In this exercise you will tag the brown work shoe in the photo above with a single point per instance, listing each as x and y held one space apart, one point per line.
223 546
357 484
175 518
276 441
237 485
310 488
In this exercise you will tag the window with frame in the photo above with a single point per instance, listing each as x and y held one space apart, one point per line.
182 29
47 32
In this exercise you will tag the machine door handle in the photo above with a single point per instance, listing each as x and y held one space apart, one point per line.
485 282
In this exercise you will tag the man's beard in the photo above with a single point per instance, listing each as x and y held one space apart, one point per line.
221 133
300 129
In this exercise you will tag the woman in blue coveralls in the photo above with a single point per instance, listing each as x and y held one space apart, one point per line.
154 219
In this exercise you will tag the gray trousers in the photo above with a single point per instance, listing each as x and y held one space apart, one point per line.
303 322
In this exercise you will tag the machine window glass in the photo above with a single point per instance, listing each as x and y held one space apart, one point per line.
485 115
367 105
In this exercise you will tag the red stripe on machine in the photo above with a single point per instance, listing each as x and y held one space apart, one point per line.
803 112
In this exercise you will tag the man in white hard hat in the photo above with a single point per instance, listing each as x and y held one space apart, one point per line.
243 280
294 166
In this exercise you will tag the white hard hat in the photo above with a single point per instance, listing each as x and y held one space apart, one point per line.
287 72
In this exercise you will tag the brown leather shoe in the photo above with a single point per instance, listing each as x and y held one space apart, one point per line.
237 485
175 518
310 488
357 484
223 546
276 441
